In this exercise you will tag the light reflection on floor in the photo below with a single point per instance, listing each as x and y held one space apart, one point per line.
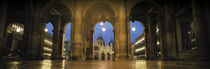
137 64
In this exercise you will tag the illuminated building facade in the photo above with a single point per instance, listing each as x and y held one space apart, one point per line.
101 51
66 50
47 46
139 45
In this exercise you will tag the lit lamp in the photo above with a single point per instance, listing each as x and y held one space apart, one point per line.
102 24
18 29
133 29
46 30
103 29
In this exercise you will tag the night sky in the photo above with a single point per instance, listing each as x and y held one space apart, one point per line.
139 30
107 35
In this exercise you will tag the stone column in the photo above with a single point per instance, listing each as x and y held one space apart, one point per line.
3 13
151 38
130 54
77 38
99 56
61 45
122 33
57 38
147 47
169 33
179 35
106 56
91 47
201 21
36 26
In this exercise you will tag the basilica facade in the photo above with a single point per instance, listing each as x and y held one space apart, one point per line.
103 51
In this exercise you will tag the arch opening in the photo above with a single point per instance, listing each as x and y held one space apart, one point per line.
67 40
147 13
103 38
137 40
48 41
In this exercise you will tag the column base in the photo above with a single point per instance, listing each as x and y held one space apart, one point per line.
121 58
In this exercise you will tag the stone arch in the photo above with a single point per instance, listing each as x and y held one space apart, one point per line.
100 11
109 56
56 9
59 15
103 56
147 12
96 56
136 2
95 3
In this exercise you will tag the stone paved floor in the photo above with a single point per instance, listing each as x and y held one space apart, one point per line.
137 64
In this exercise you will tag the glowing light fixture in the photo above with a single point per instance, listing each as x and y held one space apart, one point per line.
157 29
139 41
133 29
103 29
18 29
102 24
46 30
140 49
158 43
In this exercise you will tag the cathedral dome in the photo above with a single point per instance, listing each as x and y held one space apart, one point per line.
100 40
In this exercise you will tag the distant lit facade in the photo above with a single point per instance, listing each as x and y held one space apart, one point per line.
47 46
139 45
66 52
101 51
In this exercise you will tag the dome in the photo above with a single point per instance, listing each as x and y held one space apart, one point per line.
100 40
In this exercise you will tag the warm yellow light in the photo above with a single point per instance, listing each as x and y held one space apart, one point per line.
18 29
158 43
102 23
46 30
157 29
140 49
48 49
47 54
139 41
48 42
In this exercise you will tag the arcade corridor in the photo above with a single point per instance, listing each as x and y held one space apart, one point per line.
99 34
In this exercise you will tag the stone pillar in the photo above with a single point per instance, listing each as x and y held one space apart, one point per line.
169 33
122 33
151 38
179 35
106 56
99 56
91 47
200 19
57 38
130 54
147 47
36 26
61 45
162 34
3 13
77 38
